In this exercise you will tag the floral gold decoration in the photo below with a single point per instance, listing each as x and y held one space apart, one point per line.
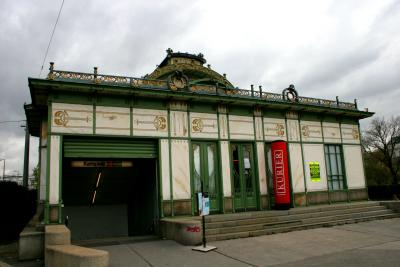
61 118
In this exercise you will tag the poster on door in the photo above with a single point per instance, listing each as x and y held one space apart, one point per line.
315 172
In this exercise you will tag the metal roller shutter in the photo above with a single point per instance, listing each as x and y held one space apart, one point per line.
109 148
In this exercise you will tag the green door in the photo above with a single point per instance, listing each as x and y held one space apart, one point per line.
204 168
244 194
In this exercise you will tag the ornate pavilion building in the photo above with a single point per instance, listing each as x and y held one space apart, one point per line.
128 152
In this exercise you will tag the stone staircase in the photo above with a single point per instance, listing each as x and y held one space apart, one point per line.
249 224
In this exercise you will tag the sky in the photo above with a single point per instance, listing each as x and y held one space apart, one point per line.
326 48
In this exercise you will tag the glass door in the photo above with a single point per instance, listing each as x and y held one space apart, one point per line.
204 168
244 193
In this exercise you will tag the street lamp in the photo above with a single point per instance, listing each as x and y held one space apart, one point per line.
4 167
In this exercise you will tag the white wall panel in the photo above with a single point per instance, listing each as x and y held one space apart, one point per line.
113 120
354 166
262 168
203 125
180 169
72 118
43 133
43 173
311 131
179 124
223 126
150 122
274 129
350 134
293 130
241 127
258 128
226 168
54 186
331 132
296 168
164 155
312 153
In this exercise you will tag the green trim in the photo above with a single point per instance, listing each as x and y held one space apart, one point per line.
273 114
189 125
344 162
40 161
243 195
202 107
254 129
192 196
256 176
263 130
326 169
89 88
160 177
94 118
60 171
204 173
170 164
340 132
290 166
131 121
219 126
302 160
363 161
267 171
220 179
240 111
231 176
228 128
46 211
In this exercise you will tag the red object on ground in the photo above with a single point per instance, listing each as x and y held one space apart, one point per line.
280 170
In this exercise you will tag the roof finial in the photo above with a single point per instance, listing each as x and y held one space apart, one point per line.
169 51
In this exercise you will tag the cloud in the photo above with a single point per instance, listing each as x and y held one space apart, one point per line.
326 48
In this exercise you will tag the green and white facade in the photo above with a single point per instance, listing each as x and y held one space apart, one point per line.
181 124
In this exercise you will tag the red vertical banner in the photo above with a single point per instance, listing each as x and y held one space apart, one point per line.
280 171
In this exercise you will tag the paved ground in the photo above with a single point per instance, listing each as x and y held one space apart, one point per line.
374 243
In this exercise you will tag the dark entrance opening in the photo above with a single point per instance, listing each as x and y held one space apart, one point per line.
112 198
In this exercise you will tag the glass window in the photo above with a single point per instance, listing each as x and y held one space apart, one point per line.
196 159
247 168
334 167
211 169
236 168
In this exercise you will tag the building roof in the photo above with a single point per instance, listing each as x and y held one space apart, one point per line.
192 67
180 76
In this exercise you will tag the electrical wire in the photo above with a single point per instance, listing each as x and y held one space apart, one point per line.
11 121
51 38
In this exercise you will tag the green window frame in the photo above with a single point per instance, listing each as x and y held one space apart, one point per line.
335 167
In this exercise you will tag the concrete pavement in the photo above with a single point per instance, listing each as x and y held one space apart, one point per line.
375 243
364 244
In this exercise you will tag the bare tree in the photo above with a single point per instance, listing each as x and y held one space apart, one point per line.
380 142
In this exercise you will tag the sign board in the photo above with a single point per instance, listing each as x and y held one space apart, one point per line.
100 163
204 204
315 172
279 173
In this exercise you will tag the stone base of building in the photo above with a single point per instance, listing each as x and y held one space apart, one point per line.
186 230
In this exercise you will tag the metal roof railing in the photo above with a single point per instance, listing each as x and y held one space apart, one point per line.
195 88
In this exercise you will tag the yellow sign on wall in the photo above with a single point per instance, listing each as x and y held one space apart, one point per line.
315 172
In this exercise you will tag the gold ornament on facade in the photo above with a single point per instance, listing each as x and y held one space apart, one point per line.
197 125
305 130
280 129
61 118
160 123
355 134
